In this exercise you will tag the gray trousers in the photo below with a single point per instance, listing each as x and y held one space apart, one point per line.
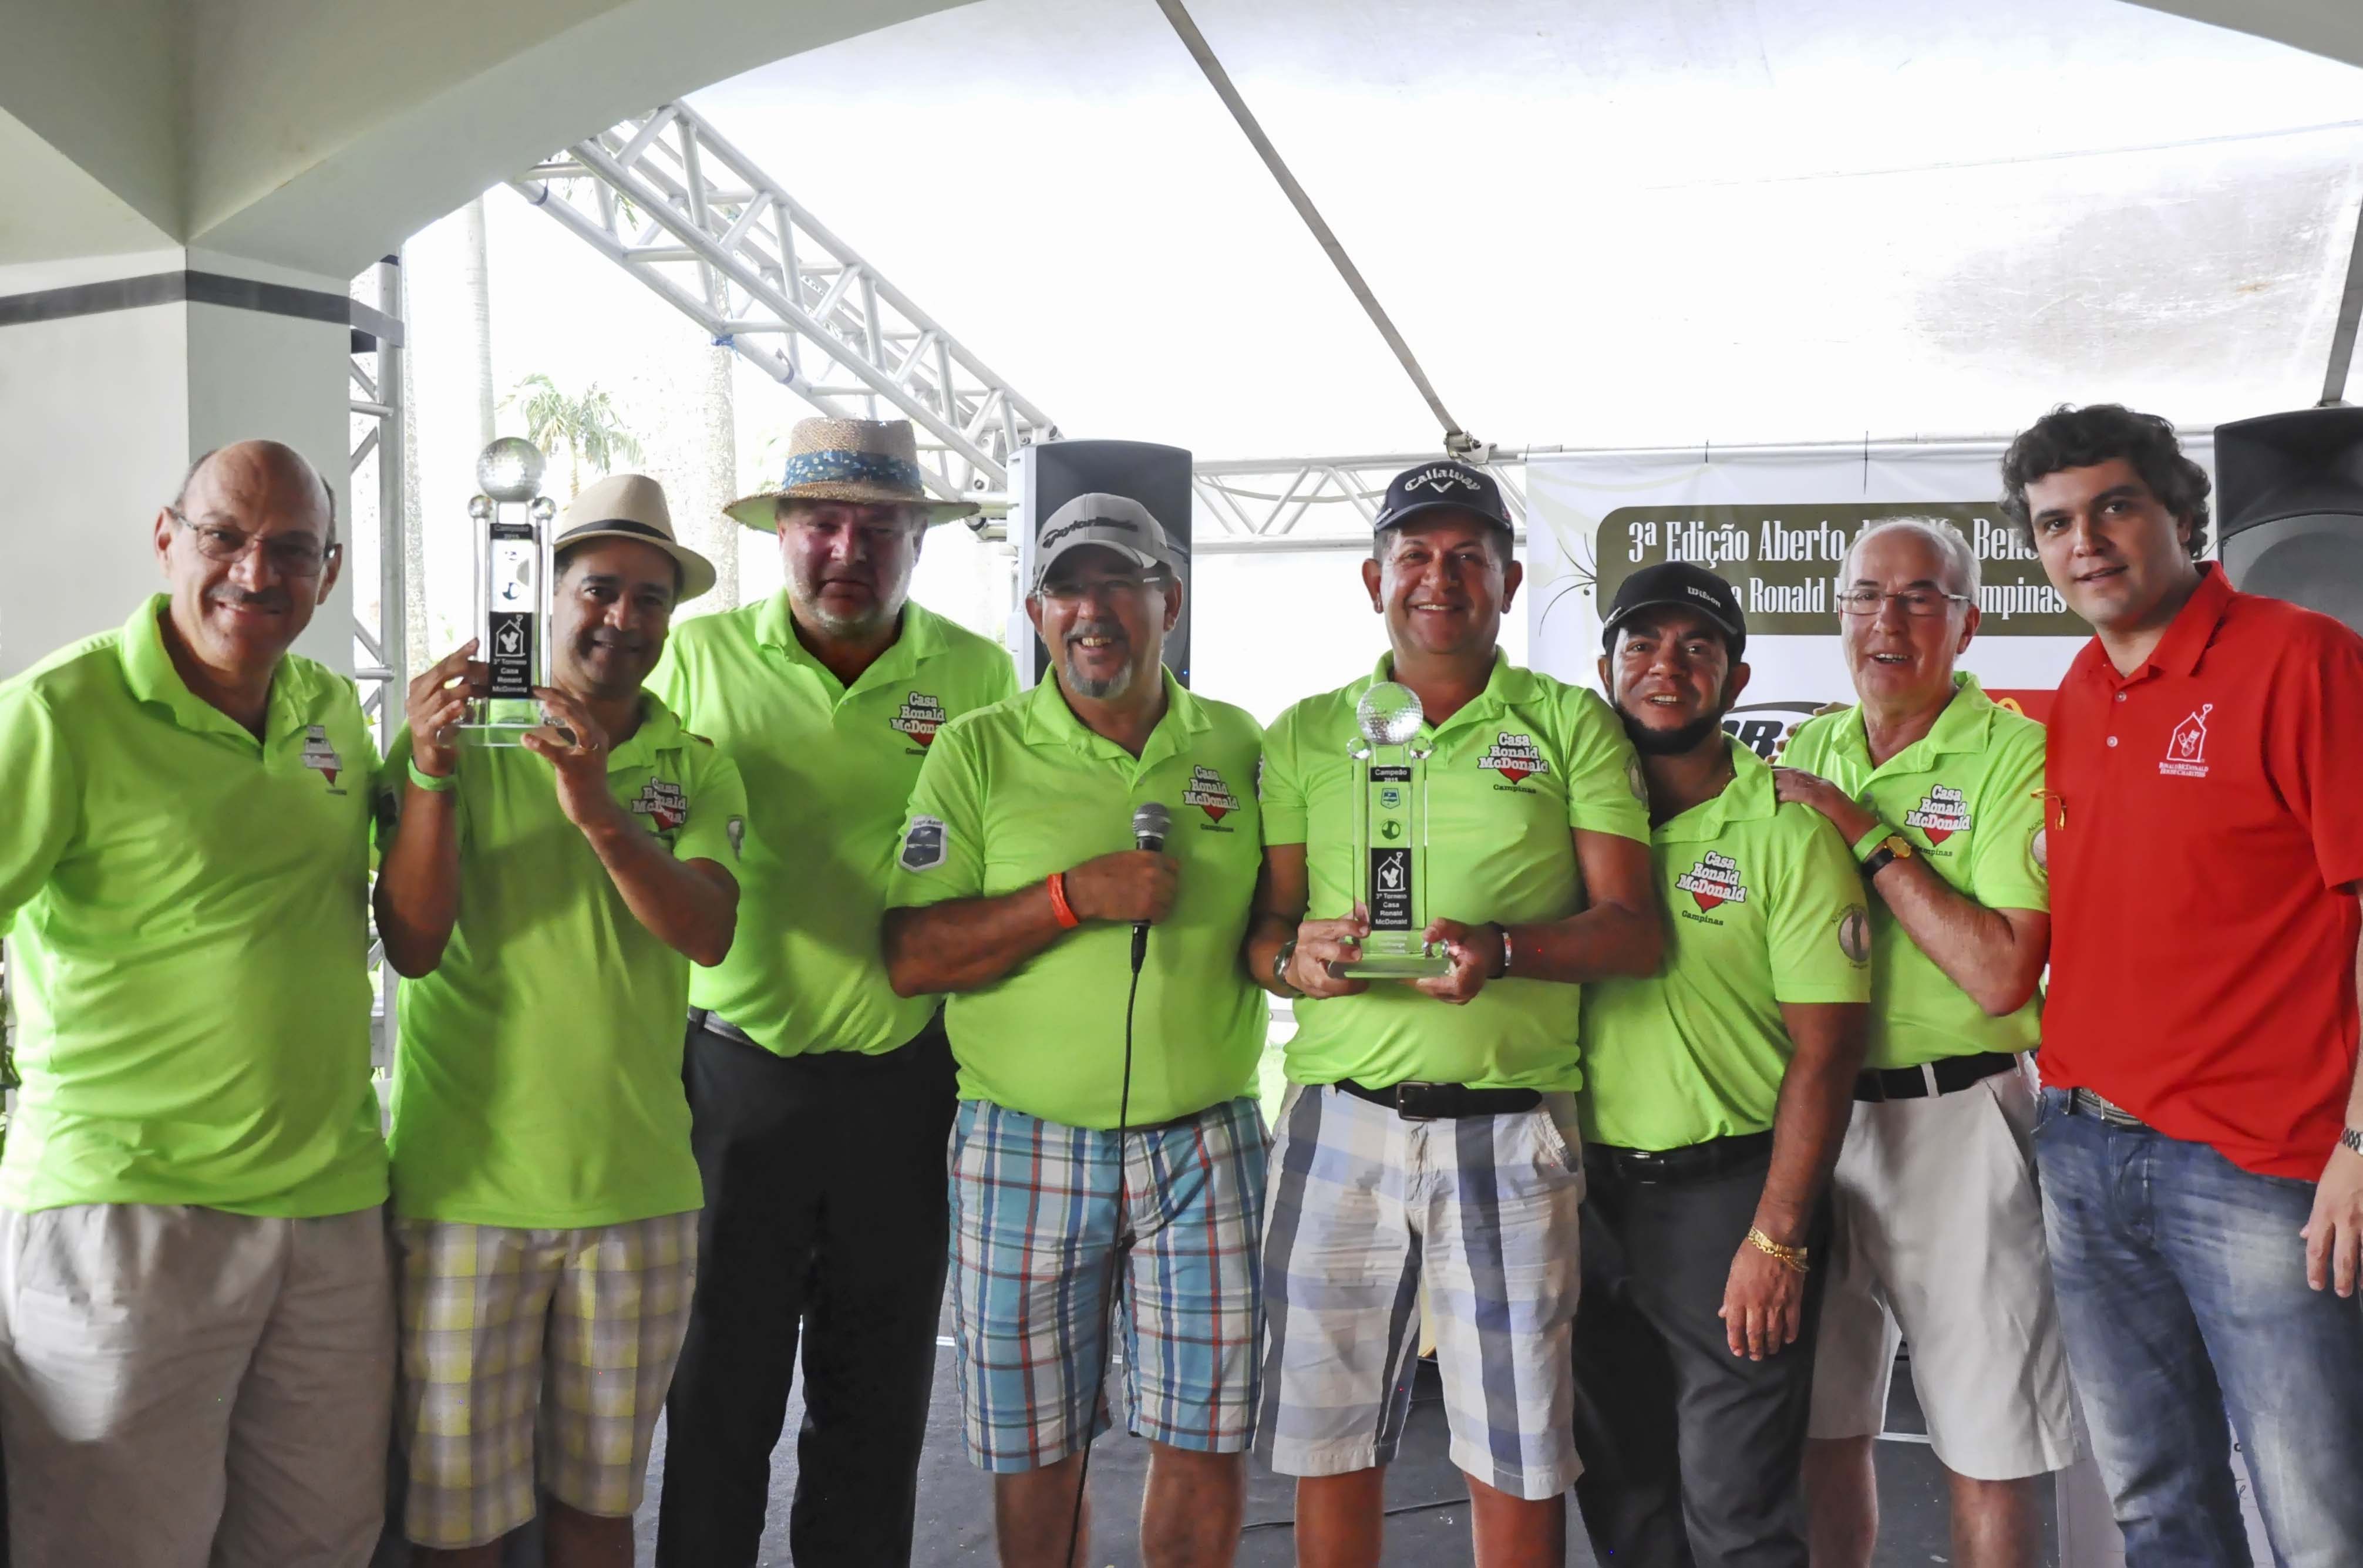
182 1387
1691 1454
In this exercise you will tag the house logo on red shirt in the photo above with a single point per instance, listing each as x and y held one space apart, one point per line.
2186 746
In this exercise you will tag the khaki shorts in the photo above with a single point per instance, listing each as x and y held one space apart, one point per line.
575 1331
1937 1239
182 1385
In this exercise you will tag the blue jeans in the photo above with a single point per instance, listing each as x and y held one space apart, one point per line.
2181 1284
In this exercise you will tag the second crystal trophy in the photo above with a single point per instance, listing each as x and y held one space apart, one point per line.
512 592
1391 838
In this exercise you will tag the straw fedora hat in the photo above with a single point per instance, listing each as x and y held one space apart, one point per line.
874 461
630 506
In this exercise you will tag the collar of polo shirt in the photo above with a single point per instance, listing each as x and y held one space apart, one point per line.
147 668
1746 798
1050 722
916 637
1965 725
2186 639
1508 684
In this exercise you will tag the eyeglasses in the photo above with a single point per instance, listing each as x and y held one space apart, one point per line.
291 555
1923 603
1073 593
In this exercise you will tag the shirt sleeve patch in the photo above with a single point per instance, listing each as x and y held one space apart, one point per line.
736 830
925 844
1854 935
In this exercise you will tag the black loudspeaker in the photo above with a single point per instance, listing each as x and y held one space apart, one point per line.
2288 502
1046 475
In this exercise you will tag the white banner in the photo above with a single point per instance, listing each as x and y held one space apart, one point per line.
1775 524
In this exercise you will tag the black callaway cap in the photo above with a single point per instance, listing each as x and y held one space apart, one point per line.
1677 582
1441 485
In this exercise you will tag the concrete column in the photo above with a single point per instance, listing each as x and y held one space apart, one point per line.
116 372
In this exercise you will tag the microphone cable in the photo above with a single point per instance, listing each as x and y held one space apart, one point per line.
1150 823
1116 1256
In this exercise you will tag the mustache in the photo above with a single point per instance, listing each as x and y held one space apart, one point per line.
235 597
1112 629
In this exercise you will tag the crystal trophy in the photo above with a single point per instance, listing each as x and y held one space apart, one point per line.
1391 839
512 592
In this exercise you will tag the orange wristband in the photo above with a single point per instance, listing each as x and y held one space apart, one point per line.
1058 905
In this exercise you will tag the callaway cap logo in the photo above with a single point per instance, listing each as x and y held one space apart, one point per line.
1440 479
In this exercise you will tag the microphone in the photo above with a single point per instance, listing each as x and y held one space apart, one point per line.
1151 823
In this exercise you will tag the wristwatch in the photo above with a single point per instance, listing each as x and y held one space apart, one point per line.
1895 847
1280 961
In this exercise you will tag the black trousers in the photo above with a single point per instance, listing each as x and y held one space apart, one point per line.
825 1223
1691 1455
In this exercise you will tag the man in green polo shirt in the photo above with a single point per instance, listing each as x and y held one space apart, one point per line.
1107 1139
1938 1227
546 902
197 1334
820 1100
1715 1096
1431 1130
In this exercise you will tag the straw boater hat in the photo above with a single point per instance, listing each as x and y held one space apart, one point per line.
630 506
874 461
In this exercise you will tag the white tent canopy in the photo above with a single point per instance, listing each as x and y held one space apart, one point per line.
1670 223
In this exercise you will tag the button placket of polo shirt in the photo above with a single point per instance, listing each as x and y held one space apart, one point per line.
897 666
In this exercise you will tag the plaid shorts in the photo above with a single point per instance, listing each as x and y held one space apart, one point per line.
1364 1206
503 1328
1038 1210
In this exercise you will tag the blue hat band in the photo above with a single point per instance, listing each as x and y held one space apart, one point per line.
852 468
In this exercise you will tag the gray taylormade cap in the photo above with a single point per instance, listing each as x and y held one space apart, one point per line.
1113 522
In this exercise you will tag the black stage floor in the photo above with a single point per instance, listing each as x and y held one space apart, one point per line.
955 1525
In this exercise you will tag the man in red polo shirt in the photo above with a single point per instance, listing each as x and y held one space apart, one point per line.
2201 1137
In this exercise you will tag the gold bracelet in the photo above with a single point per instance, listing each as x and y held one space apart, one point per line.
1787 1257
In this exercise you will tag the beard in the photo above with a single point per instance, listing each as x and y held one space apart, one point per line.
1097 688
1113 686
805 597
1675 742
1670 742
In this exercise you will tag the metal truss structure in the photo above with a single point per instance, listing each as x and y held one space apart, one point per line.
1326 503
376 374
375 504
666 198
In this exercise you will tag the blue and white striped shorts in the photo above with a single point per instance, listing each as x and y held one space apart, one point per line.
1039 1209
1365 1206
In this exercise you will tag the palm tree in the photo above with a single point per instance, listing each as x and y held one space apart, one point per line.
585 425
